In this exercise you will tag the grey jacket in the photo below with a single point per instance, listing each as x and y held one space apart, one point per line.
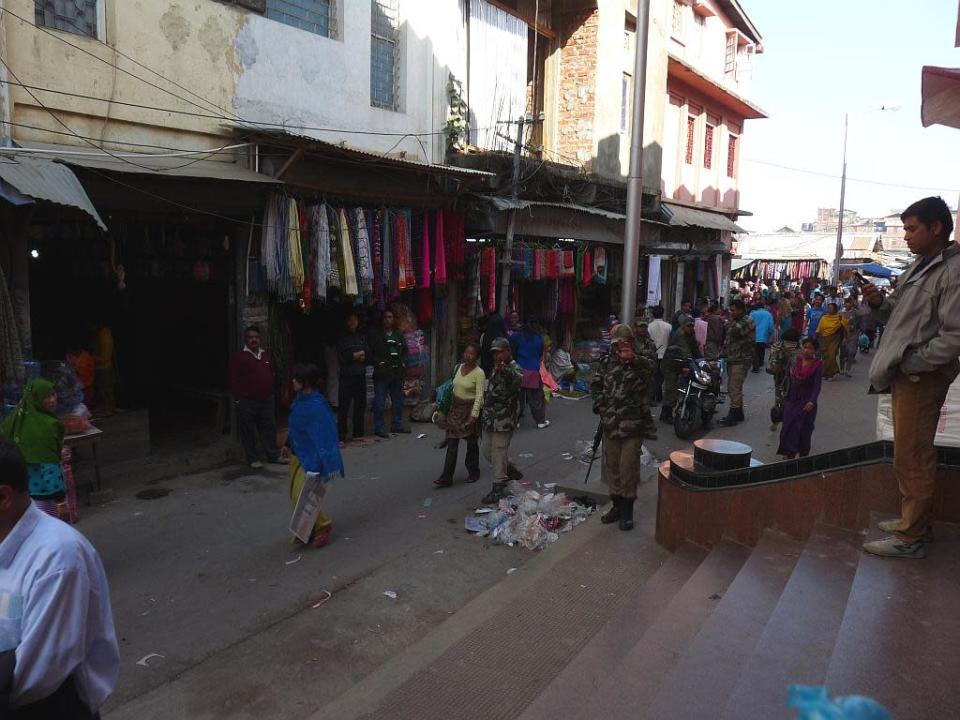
922 317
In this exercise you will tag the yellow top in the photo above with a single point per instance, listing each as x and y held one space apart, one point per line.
104 349
470 387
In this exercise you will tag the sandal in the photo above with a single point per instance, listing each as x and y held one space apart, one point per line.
443 482
473 477
321 538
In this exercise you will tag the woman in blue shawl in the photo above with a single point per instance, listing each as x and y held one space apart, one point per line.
313 444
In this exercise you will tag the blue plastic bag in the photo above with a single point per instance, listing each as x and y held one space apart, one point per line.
814 703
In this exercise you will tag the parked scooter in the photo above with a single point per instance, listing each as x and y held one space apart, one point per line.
698 394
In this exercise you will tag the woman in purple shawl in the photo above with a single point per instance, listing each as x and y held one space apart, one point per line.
800 406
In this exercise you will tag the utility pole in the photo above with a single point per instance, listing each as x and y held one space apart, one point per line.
631 242
506 263
843 191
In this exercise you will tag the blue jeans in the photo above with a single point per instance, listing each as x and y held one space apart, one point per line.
380 390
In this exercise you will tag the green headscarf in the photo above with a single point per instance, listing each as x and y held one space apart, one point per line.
38 433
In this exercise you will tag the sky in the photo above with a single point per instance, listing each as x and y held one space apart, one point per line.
822 58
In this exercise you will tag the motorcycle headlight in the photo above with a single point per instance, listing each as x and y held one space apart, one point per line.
702 376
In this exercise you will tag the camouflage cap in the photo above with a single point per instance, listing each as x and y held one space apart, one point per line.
620 333
500 344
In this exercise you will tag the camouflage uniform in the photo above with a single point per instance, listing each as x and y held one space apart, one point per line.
739 346
498 418
680 351
644 346
782 357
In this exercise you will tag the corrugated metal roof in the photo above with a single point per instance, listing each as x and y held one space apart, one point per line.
683 216
49 181
170 166
502 203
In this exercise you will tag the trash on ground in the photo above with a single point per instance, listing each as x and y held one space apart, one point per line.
550 486
567 456
421 516
390 594
511 571
297 559
528 518
428 502
483 511
145 660
326 596
421 436
438 552
526 455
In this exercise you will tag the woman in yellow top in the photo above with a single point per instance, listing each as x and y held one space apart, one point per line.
462 421
832 329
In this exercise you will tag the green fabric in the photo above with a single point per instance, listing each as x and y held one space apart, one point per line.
38 433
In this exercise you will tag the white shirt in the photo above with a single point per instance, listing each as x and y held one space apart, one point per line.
660 331
55 607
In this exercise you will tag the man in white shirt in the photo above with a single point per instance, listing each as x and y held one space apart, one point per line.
54 607
660 331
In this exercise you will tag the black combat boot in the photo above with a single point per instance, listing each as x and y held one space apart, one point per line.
626 513
666 414
496 492
734 417
513 473
613 514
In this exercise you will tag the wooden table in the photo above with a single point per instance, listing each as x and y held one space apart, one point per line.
89 437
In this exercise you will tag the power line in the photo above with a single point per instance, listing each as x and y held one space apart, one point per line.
850 179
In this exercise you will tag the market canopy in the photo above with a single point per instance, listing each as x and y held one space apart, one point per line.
683 216
48 181
874 269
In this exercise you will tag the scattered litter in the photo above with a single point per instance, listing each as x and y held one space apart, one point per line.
145 660
390 594
438 552
346 538
428 502
583 451
567 456
144 613
511 571
297 559
583 587
138 514
326 596
528 518
421 436
526 455
483 511
422 516
550 486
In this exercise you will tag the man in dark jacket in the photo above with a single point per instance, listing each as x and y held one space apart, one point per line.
682 349
353 354
389 353
252 386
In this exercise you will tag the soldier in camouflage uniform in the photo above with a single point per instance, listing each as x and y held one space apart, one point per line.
682 349
643 344
498 418
739 346
620 399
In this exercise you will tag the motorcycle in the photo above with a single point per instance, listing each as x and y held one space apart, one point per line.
698 394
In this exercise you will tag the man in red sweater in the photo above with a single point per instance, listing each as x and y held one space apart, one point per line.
252 385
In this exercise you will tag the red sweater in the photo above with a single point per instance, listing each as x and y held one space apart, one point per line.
251 378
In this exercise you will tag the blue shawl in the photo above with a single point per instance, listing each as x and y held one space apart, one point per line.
313 434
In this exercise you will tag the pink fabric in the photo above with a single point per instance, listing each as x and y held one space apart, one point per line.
547 379
440 261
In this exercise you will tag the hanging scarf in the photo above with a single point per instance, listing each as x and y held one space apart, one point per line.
320 229
425 252
38 433
294 252
336 276
350 288
365 265
376 225
313 434
587 268
389 256
440 261
455 239
407 278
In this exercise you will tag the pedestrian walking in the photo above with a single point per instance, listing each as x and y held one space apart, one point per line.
499 415
831 334
813 315
252 385
312 445
711 348
352 356
763 331
619 391
686 310
388 352
783 354
682 349
917 362
462 420
740 337
800 403
56 606
528 347
660 332
851 343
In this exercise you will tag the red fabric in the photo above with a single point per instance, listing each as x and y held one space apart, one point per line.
425 270
439 243
404 259
587 268
492 269
250 378
454 233
424 307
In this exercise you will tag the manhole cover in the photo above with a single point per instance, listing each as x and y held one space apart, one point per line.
153 493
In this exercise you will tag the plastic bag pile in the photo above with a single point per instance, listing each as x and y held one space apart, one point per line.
528 518
815 703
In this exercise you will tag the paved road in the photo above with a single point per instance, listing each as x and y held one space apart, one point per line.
206 578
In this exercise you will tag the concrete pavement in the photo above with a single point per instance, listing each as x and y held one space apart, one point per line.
206 577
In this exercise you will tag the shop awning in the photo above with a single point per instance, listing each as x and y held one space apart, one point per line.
502 203
940 93
144 164
683 216
48 181
874 269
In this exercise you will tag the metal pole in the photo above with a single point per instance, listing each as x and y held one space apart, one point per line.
843 191
631 241
506 263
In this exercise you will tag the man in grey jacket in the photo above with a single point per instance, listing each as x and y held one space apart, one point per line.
916 362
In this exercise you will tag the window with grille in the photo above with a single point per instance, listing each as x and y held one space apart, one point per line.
72 16
708 147
732 156
314 16
384 54
730 55
691 131
677 23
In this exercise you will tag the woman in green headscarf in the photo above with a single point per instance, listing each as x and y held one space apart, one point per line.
36 430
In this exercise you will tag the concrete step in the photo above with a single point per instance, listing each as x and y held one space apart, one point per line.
797 642
702 678
570 693
901 630
634 682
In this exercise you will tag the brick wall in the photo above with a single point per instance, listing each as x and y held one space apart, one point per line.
577 97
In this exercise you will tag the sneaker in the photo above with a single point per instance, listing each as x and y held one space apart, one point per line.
890 526
544 424
256 465
897 548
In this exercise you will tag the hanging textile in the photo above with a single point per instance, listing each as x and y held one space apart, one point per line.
569 269
440 261
270 231
11 351
374 221
294 252
455 238
587 268
389 256
537 264
600 265
335 279
320 231
401 227
364 261
492 288
350 287
425 252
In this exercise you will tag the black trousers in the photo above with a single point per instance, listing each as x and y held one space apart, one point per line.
759 357
472 460
64 704
353 391
257 425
